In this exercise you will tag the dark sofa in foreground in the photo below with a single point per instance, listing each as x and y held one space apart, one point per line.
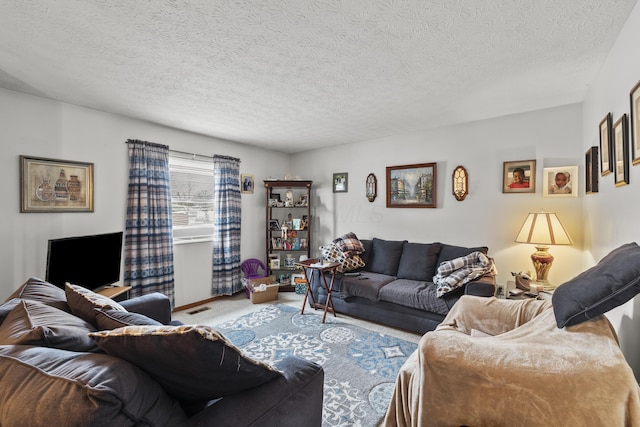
74 358
395 287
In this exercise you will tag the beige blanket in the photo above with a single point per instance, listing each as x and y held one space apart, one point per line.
527 373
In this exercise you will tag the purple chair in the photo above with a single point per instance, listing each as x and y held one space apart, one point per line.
253 268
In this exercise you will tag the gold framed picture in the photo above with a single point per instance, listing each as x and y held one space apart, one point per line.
519 176
412 186
50 185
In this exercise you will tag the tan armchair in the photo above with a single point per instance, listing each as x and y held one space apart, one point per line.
495 362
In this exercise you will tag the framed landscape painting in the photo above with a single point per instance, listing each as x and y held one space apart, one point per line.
412 186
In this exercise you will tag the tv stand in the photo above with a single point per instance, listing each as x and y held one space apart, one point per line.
116 293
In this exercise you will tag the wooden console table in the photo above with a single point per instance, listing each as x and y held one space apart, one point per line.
309 266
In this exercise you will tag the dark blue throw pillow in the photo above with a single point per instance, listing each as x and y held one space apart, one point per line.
608 284
385 256
419 261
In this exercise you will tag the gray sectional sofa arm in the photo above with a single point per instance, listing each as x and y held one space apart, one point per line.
156 306
294 400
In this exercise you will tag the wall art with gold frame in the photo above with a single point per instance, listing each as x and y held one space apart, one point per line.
51 185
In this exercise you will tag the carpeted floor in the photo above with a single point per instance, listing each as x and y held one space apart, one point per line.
360 359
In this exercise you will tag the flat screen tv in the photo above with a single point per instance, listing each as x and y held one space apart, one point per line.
89 261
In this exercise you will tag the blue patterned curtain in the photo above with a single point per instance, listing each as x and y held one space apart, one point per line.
226 275
148 265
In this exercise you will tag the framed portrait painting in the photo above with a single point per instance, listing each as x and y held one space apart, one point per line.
606 144
412 186
560 181
591 170
621 151
50 185
635 123
519 176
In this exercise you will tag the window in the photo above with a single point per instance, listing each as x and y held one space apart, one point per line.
191 197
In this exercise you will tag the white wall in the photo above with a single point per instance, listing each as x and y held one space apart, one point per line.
611 215
487 216
44 128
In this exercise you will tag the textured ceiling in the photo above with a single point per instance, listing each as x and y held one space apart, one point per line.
291 75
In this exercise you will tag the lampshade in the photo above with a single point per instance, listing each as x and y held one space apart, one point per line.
543 229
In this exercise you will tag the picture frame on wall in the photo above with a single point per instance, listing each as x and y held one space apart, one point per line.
634 98
591 170
621 151
519 176
51 185
560 181
412 186
247 183
340 182
606 144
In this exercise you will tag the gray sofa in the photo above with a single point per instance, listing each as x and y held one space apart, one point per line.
395 287
53 372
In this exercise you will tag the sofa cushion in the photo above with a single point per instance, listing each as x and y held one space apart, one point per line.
414 294
449 252
193 363
332 253
47 387
349 244
385 256
39 290
112 319
35 323
419 261
367 285
84 302
608 284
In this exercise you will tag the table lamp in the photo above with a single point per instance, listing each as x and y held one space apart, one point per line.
543 229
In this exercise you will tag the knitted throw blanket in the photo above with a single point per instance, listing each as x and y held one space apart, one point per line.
455 273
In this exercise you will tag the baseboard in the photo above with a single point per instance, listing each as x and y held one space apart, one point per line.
195 304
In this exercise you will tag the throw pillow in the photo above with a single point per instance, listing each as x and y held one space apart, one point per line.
39 290
192 363
84 302
332 253
449 252
608 284
349 244
419 261
35 323
385 256
112 319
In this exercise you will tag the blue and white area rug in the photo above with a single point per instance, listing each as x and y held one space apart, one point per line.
360 366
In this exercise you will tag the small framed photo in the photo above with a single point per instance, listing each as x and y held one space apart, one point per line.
49 185
274 225
276 243
274 263
635 123
304 200
606 144
591 170
247 183
340 182
621 151
560 182
519 176
412 186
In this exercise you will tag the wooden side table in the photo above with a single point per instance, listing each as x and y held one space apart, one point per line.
310 265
